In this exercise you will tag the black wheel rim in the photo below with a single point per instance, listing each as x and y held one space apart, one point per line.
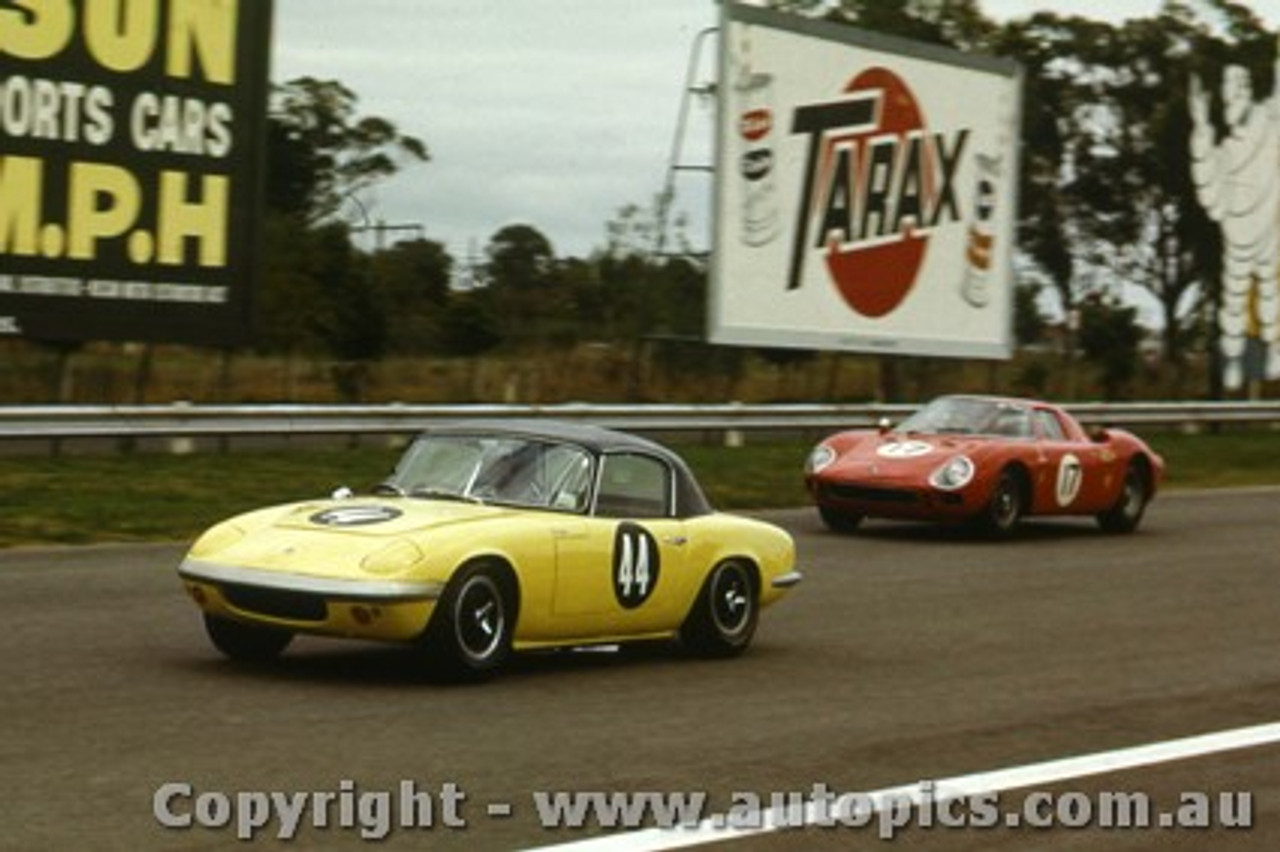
479 618
731 601
1131 508
1004 505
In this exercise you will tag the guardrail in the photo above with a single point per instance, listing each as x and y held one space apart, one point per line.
187 421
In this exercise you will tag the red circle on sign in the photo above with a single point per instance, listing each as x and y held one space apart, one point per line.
874 280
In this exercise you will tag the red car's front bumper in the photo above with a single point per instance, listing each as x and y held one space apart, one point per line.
892 500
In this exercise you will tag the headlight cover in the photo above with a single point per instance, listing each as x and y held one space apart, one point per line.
955 473
401 555
216 538
820 457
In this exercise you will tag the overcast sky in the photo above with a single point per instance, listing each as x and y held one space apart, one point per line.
553 113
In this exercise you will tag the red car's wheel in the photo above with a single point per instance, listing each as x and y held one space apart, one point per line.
1127 512
837 521
1004 510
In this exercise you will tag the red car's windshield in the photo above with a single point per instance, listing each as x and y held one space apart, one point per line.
970 416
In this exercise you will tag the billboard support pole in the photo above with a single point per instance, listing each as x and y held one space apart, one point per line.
674 166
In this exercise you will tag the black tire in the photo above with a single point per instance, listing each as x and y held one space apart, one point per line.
724 616
469 637
248 643
837 521
1126 514
1000 517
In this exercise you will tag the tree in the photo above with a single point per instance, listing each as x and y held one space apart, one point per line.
467 329
348 316
642 293
320 153
527 296
467 326
1107 192
1028 321
1064 181
412 279
1158 226
318 291
520 259
955 23
1141 214
1109 338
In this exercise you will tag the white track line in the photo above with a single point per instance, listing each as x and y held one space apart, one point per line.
714 829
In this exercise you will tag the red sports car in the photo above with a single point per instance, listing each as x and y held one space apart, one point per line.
987 461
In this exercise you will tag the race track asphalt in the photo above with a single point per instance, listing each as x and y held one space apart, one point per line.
909 653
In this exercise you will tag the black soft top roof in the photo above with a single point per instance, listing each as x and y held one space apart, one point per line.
596 439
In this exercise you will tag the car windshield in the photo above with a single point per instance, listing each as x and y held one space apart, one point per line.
970 416
495 469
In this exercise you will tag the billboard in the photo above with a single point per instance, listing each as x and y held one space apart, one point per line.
132 138
865 191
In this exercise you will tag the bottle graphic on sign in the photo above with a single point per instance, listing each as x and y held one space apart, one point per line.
753 105
976 287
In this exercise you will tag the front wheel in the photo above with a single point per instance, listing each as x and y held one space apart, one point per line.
470 633
1003 512
1125 515
249 643
723 619
837 521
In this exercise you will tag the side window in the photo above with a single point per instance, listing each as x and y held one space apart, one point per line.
1011 422
569 475
1048 426
633 486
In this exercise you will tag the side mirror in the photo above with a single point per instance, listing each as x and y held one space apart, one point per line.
1099 435
885 425
342 492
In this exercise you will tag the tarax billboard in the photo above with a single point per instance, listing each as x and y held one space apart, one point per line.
865 191
131 148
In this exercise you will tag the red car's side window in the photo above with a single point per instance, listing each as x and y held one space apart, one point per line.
1048 426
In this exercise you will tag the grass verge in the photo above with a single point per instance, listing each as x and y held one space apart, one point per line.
84 499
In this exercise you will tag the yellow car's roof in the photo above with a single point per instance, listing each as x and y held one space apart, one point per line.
597 440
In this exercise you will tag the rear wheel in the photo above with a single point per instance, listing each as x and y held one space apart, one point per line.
1003 512
470 633
1126 514
723 619
249 643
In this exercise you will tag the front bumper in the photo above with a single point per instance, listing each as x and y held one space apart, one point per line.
396 610
787 580
894 500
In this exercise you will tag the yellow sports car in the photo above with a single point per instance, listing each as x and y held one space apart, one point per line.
492 538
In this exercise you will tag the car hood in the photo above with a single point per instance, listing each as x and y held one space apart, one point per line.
383 517
344 538
894 456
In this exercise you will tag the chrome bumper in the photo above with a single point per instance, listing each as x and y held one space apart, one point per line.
352 590
787 580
